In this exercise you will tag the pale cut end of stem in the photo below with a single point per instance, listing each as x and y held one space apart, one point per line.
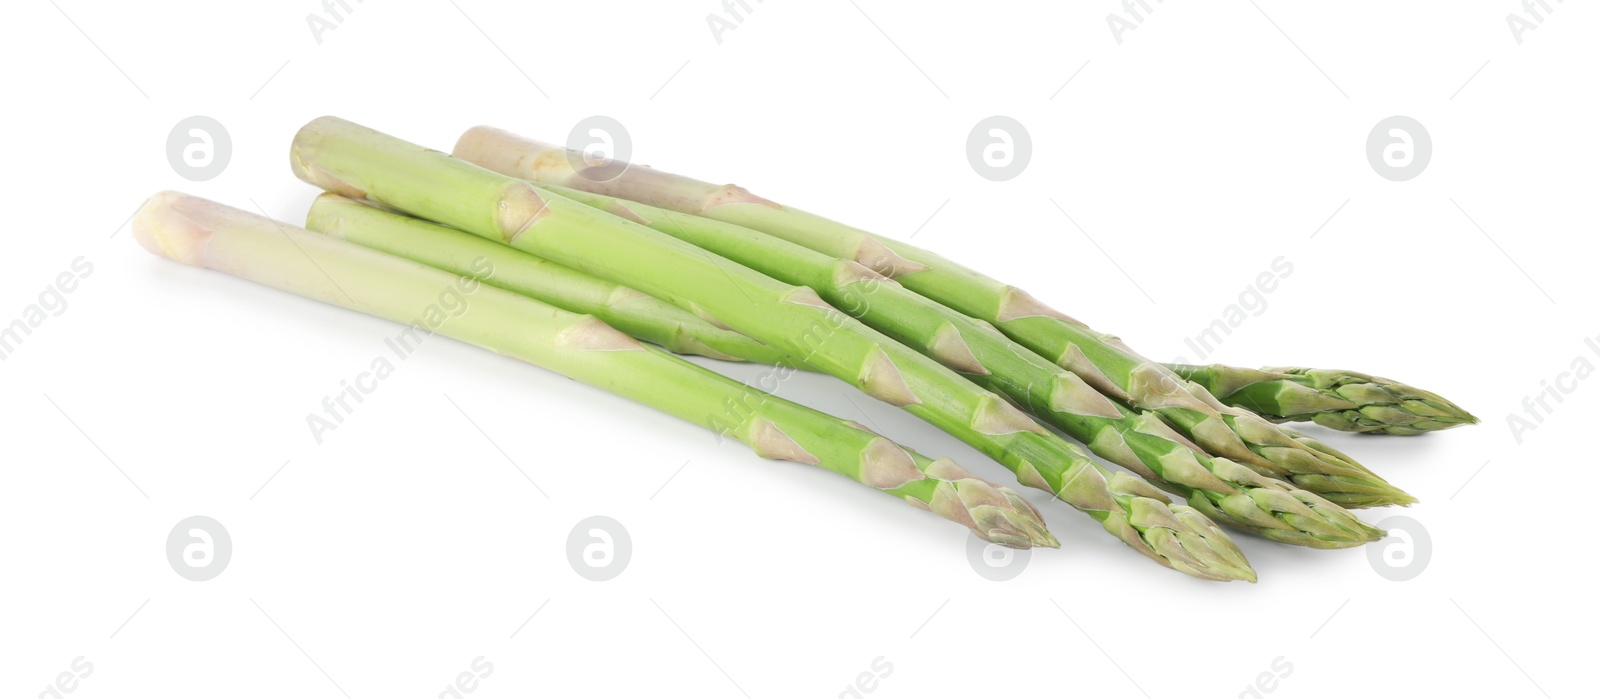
319 177
202 233
177 226
513 155
312 174
544 163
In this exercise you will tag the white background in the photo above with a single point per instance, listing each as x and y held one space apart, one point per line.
1213 139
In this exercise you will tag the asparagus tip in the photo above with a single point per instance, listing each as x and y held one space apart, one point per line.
1178 536
1381 406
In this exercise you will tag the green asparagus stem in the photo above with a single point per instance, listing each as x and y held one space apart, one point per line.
639 315
462 253
1223 490
1101 360
349 159
1341 400
202 233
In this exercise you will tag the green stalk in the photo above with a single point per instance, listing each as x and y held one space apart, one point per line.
639 315
1342 400
202 233
1221 489
1101 360
349 159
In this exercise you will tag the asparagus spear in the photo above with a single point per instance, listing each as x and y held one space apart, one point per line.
639 315
356 161
1223 490
1102 360
1342 400
198 232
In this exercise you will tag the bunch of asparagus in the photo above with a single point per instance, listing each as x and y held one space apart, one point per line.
573 266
